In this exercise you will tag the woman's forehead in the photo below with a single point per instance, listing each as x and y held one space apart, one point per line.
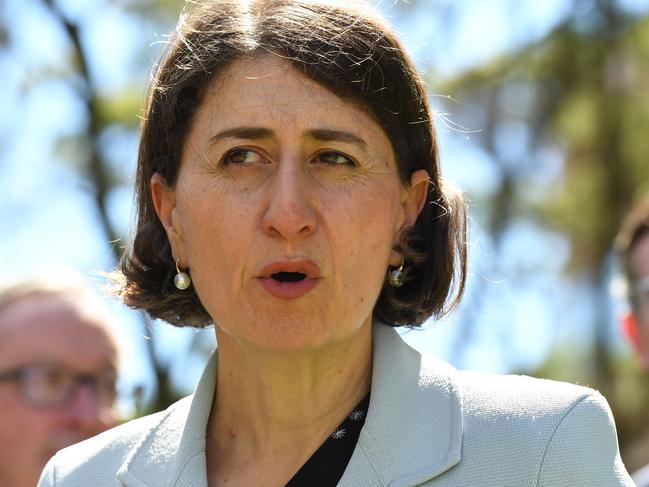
269 91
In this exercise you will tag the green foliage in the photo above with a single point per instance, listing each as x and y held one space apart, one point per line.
121 107
589 79
107 115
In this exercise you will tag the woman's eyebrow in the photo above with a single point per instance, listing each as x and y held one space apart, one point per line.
253 133
327 135
256 133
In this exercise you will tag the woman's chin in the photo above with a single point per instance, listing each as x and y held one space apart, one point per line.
286 335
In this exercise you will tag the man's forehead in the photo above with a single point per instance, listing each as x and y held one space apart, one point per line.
52 328
33 310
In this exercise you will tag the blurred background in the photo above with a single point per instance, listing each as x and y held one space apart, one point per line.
542 111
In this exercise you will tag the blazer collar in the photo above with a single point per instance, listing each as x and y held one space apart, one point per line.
173 453
413 430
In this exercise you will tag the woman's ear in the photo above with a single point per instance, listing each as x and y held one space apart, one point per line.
415 197
164 202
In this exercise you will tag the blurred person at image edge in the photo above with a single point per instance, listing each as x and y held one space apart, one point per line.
58 369
632 243
289 192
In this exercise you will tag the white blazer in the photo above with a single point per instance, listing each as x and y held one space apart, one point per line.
427 425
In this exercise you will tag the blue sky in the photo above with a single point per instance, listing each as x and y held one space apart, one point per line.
47 218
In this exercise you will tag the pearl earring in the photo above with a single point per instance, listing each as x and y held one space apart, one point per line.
395 277
181 279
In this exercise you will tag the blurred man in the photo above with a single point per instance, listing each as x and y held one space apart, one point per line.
58 369
633 246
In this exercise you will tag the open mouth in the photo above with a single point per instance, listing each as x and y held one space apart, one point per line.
290 279
288 276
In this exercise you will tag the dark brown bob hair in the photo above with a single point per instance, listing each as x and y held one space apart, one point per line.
345 47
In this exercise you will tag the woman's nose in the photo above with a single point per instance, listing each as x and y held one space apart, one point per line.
290 211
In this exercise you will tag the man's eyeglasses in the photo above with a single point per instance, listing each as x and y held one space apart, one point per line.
54 386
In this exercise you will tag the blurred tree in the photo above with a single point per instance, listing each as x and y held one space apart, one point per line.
580 90
106 112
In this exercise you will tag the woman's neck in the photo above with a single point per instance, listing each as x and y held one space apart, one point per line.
273 410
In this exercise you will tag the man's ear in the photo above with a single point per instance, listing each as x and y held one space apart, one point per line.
415 197
164 202
630 329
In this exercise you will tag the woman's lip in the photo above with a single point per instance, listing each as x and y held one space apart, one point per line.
303 266
288 290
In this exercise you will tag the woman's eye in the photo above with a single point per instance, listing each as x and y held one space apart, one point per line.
242 156
335 158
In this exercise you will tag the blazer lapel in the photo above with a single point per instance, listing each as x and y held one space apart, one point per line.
413 430
173 454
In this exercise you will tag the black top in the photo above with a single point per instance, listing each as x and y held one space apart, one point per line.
327 465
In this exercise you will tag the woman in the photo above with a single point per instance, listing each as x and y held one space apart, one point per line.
289 192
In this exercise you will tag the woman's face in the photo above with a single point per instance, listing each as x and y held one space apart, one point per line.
286 208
